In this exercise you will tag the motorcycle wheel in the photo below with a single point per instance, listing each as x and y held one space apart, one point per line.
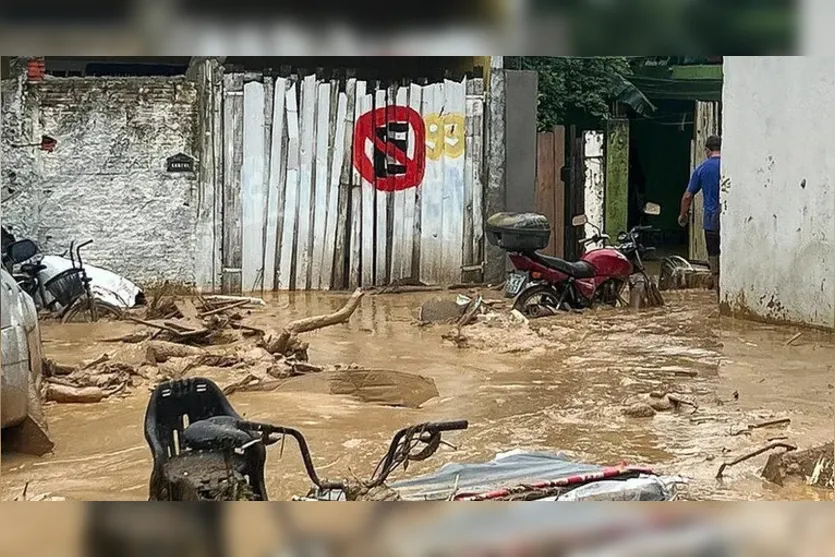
79 312
539 301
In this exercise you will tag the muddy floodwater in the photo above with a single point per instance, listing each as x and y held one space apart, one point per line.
560 384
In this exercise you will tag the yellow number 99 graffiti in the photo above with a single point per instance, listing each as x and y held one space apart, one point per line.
444 135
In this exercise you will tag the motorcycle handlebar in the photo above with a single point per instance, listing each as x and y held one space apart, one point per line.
266 430
446 426
594 239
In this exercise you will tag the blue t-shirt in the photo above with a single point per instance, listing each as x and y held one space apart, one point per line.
706 179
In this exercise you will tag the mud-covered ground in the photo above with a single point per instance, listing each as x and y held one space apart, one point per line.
557 384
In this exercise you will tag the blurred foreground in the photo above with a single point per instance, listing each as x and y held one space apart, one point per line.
544 27
111 529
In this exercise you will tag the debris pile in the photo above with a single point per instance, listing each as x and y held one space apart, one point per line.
184 333
814 466
91 382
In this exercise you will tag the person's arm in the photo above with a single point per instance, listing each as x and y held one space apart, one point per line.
693 188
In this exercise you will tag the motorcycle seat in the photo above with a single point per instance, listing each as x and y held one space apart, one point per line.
576 269
215 433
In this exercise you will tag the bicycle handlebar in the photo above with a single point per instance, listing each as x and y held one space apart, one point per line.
78 251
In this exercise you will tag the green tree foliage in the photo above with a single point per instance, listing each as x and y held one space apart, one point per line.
573 90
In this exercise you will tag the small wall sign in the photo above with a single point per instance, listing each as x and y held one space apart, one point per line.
180 163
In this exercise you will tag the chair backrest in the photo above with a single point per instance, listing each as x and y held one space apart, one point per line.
174 402
192 399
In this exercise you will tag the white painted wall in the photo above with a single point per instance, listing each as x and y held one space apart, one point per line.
778 192
107 178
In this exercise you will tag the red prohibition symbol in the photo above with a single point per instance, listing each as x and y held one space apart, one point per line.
379 127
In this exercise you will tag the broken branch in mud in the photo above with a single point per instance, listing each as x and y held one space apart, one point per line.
135 337
466 318
73 395
251 301
153 325
158 351
283 342
221 309
248 329
770 447
761 425
794 338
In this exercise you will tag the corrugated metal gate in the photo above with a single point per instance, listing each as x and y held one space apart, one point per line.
336 184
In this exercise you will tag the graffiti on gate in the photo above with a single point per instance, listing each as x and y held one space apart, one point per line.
391 130
445 135
390 167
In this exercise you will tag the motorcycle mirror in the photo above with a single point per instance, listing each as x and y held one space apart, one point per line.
652 209
579 220
22 250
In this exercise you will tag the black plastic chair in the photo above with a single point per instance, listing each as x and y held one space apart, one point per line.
197 399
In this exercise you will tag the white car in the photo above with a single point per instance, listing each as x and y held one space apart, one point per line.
20 406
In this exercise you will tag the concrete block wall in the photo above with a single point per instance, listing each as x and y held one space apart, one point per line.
778 189
107 176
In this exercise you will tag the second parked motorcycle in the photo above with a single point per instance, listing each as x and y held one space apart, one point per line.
542 284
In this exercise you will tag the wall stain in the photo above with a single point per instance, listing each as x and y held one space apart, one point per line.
737 308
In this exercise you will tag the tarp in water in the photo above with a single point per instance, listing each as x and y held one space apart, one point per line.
518 468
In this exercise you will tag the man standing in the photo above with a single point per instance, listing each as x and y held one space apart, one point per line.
706 179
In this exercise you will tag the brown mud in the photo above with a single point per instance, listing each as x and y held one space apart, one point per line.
557 384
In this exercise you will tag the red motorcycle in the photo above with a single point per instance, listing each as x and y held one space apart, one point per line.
542 284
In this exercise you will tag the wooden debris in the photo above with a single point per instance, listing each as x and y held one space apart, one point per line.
252 301
152 324
743 458
51 368
93 363
187 309
470 313
815 463
159 351
233 305
761 425
73 395
794 338
466 318
135 337
282 343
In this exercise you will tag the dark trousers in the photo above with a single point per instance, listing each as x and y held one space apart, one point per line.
712 241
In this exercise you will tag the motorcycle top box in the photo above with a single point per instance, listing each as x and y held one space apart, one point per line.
519 232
